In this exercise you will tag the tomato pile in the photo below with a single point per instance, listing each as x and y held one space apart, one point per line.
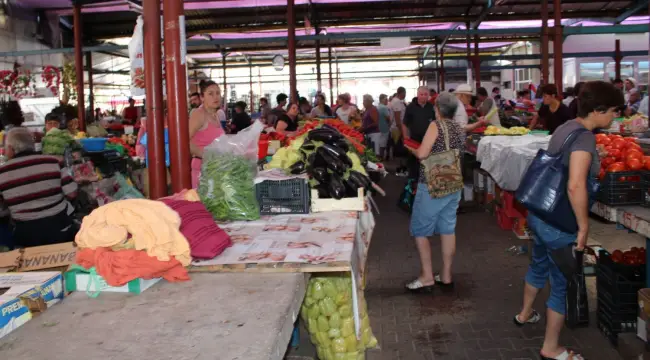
623 154
634 256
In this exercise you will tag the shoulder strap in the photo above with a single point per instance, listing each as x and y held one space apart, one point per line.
571 138
445 131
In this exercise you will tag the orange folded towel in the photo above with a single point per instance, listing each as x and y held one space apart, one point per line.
120 267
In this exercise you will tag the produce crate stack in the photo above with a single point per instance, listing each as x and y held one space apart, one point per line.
619 277
622 170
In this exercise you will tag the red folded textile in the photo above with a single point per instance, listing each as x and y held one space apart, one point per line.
206 239
120 267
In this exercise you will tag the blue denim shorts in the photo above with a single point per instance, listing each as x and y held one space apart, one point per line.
433 216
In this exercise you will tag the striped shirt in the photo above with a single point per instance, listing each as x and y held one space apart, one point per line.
34 186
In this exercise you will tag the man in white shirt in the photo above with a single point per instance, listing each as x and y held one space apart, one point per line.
629 85
399 108
464 94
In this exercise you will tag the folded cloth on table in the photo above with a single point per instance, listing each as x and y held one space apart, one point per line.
153 226
185 194
120 267
206 239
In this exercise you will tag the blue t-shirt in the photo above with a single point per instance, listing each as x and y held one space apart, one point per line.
384 118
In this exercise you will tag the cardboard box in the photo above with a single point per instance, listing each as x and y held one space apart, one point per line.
92 283
25 295
643 320
38 257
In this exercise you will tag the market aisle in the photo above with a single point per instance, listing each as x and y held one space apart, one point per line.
475 321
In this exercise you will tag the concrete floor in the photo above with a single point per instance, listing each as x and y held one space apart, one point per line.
475 321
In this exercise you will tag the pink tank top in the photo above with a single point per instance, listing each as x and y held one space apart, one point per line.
204 137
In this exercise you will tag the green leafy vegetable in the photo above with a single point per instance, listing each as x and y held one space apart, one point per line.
226 187
55 142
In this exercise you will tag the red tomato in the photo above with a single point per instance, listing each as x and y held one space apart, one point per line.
600 138
615 136
601 174
608 161
616 153
605 141
619 144
633 154
616 167
617 256
630 139
635 146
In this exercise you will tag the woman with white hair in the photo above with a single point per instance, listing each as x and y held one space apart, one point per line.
370 122
435 205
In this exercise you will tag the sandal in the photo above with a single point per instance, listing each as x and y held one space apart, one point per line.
443 285
566 355
417 286
534 318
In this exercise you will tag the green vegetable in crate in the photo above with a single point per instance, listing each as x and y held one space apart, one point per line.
226 187
55 142
96 131
327 311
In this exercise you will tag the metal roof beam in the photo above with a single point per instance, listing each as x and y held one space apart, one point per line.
444 42
618 29
482 15
638 6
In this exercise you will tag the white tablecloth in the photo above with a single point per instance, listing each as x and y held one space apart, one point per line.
506 158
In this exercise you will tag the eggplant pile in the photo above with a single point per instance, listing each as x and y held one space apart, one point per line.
334 171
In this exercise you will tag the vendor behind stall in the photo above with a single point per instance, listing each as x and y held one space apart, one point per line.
288 122
240 120
205 125
552 113
52 121
36 191
130 114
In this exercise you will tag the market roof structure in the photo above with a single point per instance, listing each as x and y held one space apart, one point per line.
256 27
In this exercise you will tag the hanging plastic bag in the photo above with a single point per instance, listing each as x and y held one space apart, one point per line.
229 167
136 57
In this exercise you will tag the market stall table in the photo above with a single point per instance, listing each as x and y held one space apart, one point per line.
213 316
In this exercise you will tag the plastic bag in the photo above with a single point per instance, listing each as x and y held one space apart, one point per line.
327 311
577 305
126 189
229 167
136 56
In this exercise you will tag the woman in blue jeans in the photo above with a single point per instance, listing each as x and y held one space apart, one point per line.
599 102
431 215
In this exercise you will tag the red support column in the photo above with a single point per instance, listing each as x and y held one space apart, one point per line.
557 46
477 62
329 60
318 74
470 61
79 65
224 96
544 43
156 167
179 137
91 96
250 80
291 22
441 71
617 58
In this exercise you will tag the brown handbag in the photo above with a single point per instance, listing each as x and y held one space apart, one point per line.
442 170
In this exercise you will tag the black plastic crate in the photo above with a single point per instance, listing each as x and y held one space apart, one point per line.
622 188
283 197
612 321
619 283
645 182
